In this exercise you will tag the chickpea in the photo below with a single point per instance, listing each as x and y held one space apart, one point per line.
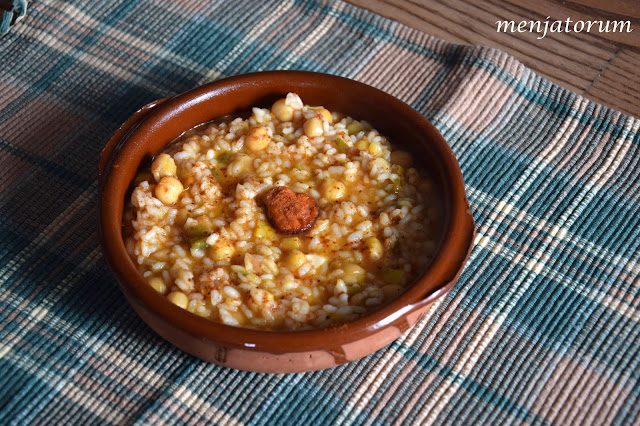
374 248
282 111
294 260
313 127
402 158
221 251
257 139
353 274
163 166
374 149
324 114
333 190
362 144
168 190
178 298
158 284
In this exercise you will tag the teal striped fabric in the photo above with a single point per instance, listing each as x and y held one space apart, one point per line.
542 327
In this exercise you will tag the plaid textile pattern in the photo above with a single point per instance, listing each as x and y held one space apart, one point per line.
542 327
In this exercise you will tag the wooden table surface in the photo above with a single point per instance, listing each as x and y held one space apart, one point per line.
604 67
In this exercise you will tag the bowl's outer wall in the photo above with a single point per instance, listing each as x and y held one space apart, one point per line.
151 129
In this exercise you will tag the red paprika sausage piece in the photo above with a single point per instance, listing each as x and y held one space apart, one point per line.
289 212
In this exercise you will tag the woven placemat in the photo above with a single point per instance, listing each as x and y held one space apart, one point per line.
542 326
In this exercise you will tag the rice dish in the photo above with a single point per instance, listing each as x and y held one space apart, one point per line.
293 218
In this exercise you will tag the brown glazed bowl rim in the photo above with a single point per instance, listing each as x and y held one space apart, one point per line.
440 276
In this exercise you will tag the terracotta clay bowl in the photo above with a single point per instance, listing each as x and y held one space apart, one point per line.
155 125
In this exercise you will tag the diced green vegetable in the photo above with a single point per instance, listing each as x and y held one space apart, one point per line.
199 244
335 317
198 231
396 185
217 175
142 176
355 127
223 157
394 276
353 289
397 169
341 145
